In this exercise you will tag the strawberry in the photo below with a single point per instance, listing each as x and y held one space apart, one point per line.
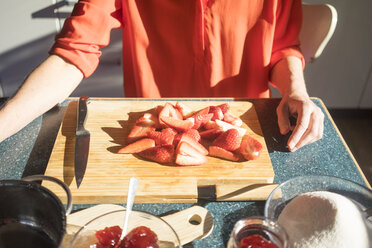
160 154
199 147
219 152
203 111
158 109
148 120
178 124
226 126
192 133
138 132
250 148
217 113
224 107
184 110
211 134
201 119
187 160
211 125
168 111
165 137
138 146
232 119
229 140
188 155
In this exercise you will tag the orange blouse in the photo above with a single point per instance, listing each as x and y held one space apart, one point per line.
186 48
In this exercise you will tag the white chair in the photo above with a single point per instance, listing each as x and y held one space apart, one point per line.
318 25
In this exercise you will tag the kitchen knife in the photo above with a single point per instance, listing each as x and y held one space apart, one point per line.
82 141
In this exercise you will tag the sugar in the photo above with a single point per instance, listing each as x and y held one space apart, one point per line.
324 219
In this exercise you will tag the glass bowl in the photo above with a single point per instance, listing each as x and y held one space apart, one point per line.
288 190
167 237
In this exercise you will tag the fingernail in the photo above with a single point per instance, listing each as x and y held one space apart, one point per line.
291 146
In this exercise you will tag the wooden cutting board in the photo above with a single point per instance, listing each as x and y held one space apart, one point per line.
106 179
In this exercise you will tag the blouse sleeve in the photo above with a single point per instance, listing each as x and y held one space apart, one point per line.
86 31
287 29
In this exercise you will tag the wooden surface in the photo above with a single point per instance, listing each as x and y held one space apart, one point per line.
107 175
189 224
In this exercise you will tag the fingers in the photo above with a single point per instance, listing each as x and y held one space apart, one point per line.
283 119
309 128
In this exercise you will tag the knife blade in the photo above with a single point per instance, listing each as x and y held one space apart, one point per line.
82 141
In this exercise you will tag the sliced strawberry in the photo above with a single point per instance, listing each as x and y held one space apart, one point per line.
184 110
232 119
226 126
188 155
250 148
211 134
148 120
160 154
163 137
158 109
219 152
199 147
211 125
194 134
217 113
203 111
187 160
169 111
138 146
179 125
224 107
201 119
138 132
229 140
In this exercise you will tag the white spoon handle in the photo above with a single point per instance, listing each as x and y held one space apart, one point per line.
131 194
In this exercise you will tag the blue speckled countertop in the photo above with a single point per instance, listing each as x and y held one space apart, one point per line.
28 151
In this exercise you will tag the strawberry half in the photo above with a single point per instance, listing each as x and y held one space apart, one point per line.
192 133
187 160
188 155
163 137
148 120
201 119
250 148
229 140
232 119
224 107
169 111
211 134
226 126
197 146
184 110
178 124
138 132
138 146
219 152
160 154
217 113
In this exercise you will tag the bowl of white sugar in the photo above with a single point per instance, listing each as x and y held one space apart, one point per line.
322 211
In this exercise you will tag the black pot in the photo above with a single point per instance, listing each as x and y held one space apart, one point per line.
30 214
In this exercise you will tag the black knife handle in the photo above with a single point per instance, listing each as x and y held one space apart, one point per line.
82 111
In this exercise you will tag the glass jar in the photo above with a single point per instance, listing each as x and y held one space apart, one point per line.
258 225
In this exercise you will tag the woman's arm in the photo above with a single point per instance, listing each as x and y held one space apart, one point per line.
287 76
49 84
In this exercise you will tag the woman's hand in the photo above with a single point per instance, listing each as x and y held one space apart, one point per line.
310 120
287 76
